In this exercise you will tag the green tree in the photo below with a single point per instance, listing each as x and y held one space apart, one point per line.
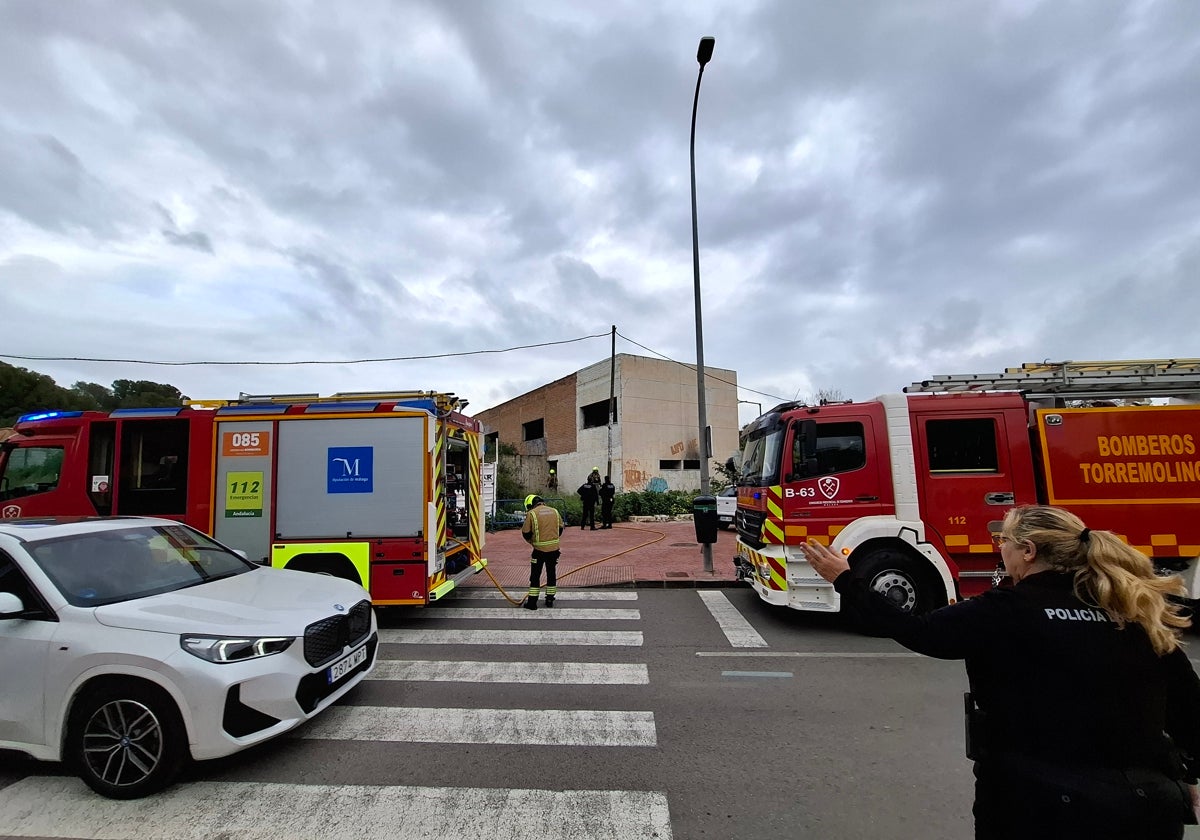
128 393
724 475
96 395
23 391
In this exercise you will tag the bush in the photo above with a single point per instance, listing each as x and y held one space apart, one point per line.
670 503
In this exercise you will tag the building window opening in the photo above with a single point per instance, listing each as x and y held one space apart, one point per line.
533 430
670 465
597 414
691 465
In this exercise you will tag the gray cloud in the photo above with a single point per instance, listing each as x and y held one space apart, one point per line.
885 191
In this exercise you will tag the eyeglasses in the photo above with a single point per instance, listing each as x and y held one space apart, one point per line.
999 540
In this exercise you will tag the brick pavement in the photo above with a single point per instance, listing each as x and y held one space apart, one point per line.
630 554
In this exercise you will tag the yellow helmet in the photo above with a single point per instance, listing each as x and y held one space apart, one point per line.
532 500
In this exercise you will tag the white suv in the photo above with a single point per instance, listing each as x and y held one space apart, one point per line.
130 645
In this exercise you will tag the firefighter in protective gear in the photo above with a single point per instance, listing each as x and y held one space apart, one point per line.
542 528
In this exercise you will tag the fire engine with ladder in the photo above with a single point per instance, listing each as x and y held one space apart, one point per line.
378 488
910 486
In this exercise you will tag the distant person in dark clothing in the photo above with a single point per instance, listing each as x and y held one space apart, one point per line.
608 492
589 493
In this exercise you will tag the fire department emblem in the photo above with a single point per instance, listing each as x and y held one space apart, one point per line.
829 486
11 511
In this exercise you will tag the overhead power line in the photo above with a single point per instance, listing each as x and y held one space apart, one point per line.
301 362
297 363
707 372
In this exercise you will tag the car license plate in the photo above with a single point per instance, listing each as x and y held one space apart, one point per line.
343 667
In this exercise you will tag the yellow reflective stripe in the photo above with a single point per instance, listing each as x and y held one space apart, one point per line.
475 499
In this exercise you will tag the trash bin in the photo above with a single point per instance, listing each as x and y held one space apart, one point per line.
704 515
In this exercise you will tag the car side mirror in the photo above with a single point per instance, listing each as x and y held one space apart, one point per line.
11 606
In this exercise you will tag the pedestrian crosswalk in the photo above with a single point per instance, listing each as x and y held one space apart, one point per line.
561 673
62 807
430 660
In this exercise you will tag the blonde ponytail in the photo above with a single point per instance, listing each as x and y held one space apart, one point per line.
1109 574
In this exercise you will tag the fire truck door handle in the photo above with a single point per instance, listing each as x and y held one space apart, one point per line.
999 498
866 498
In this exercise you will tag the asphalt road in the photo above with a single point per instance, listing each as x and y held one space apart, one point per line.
626 714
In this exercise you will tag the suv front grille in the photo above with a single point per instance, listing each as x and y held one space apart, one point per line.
325 639
313 688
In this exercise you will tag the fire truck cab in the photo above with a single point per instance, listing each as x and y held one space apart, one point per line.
909 486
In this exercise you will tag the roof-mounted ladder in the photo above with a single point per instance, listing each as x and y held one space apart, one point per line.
1096 380
444 401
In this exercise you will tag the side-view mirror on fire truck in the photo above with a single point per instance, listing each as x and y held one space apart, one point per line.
804 453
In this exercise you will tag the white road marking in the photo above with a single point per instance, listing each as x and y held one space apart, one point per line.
559 727
594 613
777 674
563 595
817 654
732 623
60 806
625 638
550 673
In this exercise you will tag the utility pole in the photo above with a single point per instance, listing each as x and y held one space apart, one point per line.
612 398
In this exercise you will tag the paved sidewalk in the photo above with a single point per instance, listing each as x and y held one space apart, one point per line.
659 554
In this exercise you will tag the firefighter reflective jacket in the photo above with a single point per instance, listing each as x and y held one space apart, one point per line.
542 528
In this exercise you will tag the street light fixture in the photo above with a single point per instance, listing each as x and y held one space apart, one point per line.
703 56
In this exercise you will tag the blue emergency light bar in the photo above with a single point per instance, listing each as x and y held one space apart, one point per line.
48 415
423 405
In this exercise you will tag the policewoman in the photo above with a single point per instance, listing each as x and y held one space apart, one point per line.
541 529
1083 717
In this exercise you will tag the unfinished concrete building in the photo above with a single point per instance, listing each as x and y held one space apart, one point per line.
653 443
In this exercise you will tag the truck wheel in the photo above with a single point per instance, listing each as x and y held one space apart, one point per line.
899 579
126 740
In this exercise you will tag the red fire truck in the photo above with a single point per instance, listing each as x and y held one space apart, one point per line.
379 488
908 486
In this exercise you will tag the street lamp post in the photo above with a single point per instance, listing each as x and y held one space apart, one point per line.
703 55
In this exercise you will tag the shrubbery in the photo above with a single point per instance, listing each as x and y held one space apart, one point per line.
670 503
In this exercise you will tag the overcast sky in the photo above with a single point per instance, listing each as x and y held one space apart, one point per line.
886 190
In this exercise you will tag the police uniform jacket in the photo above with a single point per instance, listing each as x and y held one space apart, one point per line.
1054 678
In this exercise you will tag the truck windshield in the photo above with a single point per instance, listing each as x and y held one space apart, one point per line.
761 458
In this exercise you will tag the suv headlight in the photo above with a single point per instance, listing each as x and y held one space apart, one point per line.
234 648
